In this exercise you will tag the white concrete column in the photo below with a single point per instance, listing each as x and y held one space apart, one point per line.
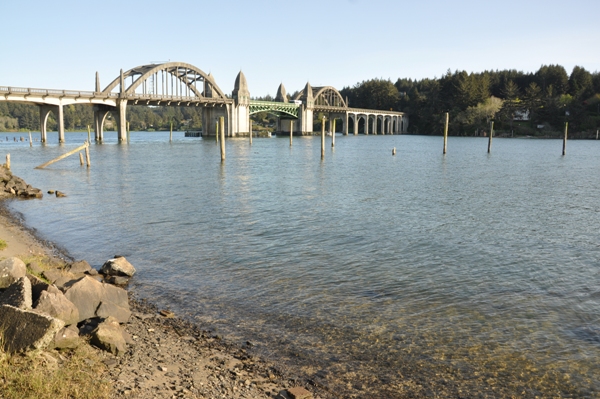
122 128
60 119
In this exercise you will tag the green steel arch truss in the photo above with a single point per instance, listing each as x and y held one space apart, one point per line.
288 109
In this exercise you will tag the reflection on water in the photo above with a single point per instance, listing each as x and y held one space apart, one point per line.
414 275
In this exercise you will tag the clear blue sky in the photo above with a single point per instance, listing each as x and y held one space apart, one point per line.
61 44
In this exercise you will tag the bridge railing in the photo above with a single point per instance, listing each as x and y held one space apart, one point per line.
54 93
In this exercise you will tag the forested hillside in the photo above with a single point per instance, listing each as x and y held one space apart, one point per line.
546 99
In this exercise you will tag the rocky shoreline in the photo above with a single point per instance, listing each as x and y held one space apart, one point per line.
164 356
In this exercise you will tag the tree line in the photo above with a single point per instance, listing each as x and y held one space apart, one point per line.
519 103
18 116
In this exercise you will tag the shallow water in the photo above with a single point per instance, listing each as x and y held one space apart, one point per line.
468 274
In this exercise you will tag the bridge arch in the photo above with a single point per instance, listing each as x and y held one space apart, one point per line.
186 74
327 96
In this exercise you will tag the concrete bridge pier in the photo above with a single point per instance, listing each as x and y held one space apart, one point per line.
100 114
45 110
122 119
210 117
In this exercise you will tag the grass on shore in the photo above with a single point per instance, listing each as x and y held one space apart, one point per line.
3 245
53 375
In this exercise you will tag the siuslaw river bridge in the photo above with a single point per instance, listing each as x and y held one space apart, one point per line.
182 84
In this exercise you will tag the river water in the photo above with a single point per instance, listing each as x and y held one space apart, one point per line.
415 275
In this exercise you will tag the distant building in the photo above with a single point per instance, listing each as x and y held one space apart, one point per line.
521 115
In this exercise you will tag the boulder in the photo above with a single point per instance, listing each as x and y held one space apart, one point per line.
67 280
66 338
117 267
18 294
25 329
109 337
56 304
107 309
37 286
36 268
79 267
52 275
86 294
115 295
118 280
11 270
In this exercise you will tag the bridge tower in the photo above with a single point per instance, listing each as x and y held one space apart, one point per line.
304 125
240 118
283 125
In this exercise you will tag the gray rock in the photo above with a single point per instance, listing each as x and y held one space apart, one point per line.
81 266
118 280
58 306
35 268
11 270
18 294
115 295
107 309
86 294
109 337
92 272
37 286
67 280
117 267
52 275
66 338
25 329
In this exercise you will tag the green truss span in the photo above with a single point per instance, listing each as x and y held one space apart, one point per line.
289 109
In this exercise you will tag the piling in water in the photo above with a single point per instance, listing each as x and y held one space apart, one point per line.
291 131
30 140
565 138
446 132
80 159
333 135
323 138
8 161
491 135
87 154
222 123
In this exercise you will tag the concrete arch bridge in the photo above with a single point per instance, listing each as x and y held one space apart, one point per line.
182 84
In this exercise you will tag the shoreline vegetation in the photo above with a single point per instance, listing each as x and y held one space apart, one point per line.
166 356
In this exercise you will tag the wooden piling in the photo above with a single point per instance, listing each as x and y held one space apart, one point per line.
291 131
87 154
127 131
323 138
333 135
217 132
30 140
597 134
89 134
565 138
80 159
446 132
42 166
394 151
171 133
8 161
491 135
250 131
222 123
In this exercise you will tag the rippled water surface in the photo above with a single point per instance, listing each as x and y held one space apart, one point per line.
414 275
